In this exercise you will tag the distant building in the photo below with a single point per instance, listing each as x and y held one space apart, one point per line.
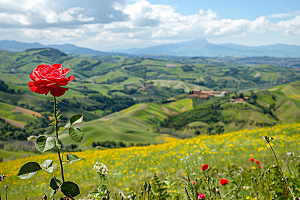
145 87
206 94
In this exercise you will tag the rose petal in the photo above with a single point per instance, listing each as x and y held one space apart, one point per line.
66 71
71 78
40 68
57 66
38 89
33 77
58 91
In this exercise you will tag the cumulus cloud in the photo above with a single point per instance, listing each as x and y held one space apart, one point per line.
40 14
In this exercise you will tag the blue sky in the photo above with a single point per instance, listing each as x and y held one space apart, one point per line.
233 9
119 24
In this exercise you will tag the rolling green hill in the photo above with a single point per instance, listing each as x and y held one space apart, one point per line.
133 124
103 87
186 74
265 107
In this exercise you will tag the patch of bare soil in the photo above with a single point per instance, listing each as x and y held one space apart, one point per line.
166 110
170 65
18 124
26 111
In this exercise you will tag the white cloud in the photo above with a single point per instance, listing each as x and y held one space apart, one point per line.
102 22
291 27
55 13
279 15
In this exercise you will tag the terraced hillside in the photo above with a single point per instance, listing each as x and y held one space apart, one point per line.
133 124
185 74
15 115
265 107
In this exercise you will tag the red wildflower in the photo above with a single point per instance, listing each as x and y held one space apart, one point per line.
201 196
251 159
204 167
257 162
194 182
49 78
258 166
223 181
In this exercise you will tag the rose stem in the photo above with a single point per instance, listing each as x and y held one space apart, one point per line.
56 133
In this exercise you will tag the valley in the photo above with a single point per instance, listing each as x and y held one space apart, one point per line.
140 101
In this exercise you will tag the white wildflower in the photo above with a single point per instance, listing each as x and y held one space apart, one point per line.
100 168
291 154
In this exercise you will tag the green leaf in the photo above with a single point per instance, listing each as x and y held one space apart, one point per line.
59 116
55 183
76 134
58 143
45 196
47 163
75 119
44 143
49 170
72 158
29 170
70 189
52 193
32 137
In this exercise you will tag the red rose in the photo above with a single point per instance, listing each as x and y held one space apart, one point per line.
251 159
201 196
49 78
223 181
204 167
257 162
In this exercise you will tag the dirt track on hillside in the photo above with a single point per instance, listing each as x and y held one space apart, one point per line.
25 111
13 122
28 112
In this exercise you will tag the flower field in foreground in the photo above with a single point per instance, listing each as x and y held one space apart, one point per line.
130 167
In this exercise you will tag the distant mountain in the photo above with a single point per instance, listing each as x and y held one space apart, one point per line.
201 47
197 47
15 46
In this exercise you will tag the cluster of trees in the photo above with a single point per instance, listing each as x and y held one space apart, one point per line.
8 131
5 88
36 127
203 114
114 104
187 68
138 70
